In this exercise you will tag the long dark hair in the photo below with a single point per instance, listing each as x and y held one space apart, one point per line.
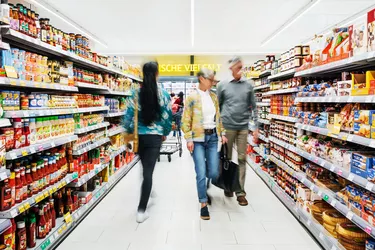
149 94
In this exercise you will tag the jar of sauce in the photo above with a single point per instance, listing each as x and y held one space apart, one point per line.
72 42
21 236
21 18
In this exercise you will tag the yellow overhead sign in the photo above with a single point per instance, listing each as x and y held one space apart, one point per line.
187 67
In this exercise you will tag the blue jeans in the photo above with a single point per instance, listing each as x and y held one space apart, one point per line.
206 160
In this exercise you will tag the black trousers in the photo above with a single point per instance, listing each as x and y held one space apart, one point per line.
149 148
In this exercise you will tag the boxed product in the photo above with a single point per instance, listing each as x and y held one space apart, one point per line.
371 30
364 116
363 84
362 130
84 197
358 36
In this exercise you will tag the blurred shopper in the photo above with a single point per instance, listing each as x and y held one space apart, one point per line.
154 124
178 105
202 126
237 102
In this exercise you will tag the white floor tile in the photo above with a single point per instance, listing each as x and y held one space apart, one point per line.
174 222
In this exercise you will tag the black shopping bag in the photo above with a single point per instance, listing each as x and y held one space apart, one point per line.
229 173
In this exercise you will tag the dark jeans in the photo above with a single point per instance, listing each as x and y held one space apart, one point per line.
177 120
149 148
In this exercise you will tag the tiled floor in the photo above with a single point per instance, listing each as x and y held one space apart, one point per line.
174 222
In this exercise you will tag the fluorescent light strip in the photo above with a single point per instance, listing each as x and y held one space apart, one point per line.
192 17
193 53
67 22
289 23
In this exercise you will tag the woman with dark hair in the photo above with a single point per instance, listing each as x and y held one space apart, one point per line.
154 124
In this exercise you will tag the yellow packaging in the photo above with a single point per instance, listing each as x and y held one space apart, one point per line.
363 84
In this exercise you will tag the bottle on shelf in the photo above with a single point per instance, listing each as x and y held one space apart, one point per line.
31 229
21 239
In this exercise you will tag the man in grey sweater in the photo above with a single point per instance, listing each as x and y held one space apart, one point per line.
237 106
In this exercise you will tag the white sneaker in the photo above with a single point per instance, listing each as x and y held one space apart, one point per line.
142 216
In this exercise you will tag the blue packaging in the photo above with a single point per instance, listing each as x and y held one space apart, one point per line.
370 244
358 171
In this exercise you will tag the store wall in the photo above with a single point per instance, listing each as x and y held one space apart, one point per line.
220 61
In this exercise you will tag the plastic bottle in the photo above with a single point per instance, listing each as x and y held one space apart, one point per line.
26 132
12 185
18 133
8 237
5 195
41 229
39 176
18 185
24 183
34 175
47 171
31 230
53 212
33 134
46 217
29 180
21 236
49 216
39 129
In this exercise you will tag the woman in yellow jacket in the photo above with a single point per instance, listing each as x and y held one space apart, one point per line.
201 124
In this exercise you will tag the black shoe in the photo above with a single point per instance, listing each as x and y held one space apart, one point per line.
209 200
205 215
228 194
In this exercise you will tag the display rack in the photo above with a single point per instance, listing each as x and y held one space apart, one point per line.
261 87
263 104
66 224
91 146
25 151
35 44
265 73
285 74
283 118
115 131
282 91
91 128
9 82
115 114
338 99
48 112
85 178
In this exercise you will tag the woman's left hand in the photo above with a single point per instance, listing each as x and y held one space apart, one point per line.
224 139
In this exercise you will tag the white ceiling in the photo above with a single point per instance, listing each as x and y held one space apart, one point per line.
220 26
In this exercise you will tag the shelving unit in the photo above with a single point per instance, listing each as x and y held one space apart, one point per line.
263 104
85 178
25 151
35 44
63 228
283 118
262 87
91 128
115 131
47 112
91 146
9 82
115 114
265 73
282 91
338 99
285 74
23 206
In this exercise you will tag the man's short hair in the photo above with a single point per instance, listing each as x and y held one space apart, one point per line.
205 73
234 61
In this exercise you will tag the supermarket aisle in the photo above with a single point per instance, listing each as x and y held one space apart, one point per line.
174 222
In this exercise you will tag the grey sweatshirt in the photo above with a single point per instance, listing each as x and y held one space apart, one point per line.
237 104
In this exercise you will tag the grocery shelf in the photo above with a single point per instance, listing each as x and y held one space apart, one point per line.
263 104
328 196
360 181
263 138
91 128
90 86
282 118
342 135
261 86
114 114
119 93
4 122
265 73
338 99
115 131
48 112
63 228
91 146
341 65
275 188
264 121
117 152
4 174
285 74
35 148
282 91
4 225
264 156
36 44
23 206
9 82
85 178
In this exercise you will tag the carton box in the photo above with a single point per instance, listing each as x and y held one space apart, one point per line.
358 36
363 84
362 130
371 30
364 116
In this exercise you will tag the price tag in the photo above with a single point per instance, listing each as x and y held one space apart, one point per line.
53 144
64 183
368 229
338 99
330 99
316 160
37 85
303 180
312 187
351 177
350 215
45 194
320 193
350 138
44 85
321 236
24 153
339 172
333 203
21 209
22 83
26 205
40 148
3 175
50 191
309 222
63 227
369 186
68 218
32 150
325 197
368 99
13 82
13 213
13 155
372 144
333 248
350 99
25 113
